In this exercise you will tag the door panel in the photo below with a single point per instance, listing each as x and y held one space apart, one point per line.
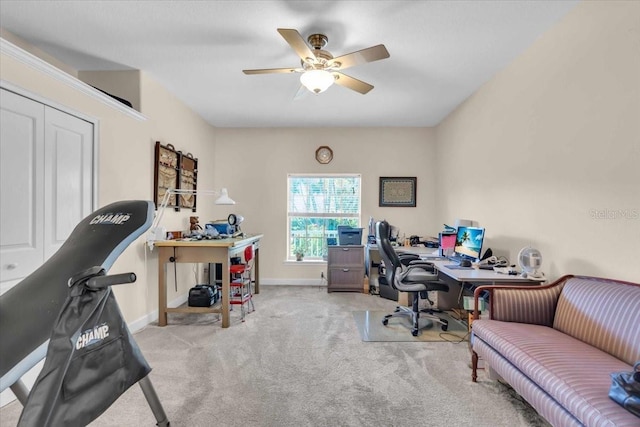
46 175
21 175
69 172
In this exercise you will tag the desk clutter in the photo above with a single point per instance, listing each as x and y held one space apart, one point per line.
214 230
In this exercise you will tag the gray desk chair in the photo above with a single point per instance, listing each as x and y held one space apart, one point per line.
417 278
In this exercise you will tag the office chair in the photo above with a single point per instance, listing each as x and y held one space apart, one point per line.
417 279
241 282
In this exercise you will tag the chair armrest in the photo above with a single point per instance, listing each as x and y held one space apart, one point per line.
406 258
425 265
522 304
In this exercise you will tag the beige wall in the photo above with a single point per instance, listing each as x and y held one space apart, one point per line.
552 143
253 164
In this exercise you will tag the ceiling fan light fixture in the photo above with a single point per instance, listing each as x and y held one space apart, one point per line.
317 81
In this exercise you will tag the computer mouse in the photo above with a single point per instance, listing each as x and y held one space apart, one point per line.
465 263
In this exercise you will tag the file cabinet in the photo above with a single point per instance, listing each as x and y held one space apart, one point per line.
345 265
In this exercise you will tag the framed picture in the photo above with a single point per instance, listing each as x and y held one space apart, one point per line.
166 165
188 180
398 191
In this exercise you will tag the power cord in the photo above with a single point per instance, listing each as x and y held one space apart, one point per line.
463 339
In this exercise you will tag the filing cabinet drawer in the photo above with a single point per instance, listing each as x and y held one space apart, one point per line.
346 255
346 277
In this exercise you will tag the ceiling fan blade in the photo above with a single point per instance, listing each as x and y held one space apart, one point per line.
352 83
363 56
273 70
298 44
302 93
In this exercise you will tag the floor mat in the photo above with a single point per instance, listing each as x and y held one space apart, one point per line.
371 329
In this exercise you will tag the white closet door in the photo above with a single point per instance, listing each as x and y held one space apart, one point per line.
22 180
46 175
69 176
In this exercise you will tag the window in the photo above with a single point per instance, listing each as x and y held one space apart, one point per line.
316 205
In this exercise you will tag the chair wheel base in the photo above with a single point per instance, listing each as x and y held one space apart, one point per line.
385 321
415 332
445 325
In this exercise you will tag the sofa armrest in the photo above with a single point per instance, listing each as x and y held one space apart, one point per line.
522 304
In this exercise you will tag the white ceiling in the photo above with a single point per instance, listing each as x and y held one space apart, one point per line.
441 52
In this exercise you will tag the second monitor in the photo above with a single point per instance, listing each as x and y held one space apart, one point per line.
469 242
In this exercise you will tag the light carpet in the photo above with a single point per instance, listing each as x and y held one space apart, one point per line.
371 329
298 360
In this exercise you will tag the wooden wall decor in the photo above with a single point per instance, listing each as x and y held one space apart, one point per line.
175 170
188 180
166 167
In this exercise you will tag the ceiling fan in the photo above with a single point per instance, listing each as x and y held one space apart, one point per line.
319 68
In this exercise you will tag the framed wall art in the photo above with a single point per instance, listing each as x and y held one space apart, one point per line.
398 191
166 165
188 180
175 170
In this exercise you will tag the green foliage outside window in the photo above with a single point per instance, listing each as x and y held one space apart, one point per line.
317 206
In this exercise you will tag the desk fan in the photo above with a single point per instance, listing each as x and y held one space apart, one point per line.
530 260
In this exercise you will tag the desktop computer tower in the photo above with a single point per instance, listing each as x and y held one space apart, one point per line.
215 274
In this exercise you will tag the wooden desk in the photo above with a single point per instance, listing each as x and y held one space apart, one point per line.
204 251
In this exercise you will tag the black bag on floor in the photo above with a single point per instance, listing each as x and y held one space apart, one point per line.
202 296
91 360
625 389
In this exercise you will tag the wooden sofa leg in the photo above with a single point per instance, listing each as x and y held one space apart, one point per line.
474 366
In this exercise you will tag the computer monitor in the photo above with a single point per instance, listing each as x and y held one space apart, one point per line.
469 242
447 243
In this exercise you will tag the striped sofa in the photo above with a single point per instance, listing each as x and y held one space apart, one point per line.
557 344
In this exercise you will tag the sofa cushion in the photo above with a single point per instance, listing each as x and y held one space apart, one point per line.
602 313
574 373
536 305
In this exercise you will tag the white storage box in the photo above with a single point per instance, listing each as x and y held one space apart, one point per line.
468 304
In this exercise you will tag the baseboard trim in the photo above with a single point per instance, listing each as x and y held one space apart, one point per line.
293 282
140 323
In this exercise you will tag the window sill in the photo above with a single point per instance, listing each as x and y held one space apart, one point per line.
305 262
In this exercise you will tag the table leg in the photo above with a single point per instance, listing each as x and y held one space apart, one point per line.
162 289
256 272
474 366
226 289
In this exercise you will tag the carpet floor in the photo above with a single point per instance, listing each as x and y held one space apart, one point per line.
298 360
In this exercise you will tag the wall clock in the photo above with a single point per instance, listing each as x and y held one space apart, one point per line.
324 154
